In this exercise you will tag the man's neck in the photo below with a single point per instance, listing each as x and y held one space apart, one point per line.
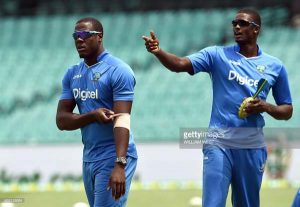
249 50
92 60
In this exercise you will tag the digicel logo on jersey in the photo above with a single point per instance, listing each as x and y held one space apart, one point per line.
233 75
83 95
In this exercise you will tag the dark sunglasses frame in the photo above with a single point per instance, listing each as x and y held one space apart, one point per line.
84 34
243 23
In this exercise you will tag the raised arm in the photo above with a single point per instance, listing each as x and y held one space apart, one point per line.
170 61
67 120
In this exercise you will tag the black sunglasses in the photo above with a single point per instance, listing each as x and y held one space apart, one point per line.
84 34
243 23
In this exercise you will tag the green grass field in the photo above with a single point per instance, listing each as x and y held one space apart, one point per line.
145 198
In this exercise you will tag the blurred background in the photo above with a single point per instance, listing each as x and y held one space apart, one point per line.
42 165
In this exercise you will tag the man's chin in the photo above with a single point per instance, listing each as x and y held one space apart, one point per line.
82 55
239 41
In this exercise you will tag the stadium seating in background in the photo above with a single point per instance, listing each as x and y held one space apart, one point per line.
35 52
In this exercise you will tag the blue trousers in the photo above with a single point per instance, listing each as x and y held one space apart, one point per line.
242 168
96 176
296 202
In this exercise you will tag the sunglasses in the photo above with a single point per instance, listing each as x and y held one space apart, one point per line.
243 23
84 34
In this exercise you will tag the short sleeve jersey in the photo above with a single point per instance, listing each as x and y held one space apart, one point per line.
235 77
98 86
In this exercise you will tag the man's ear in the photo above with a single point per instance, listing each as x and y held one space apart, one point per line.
100 36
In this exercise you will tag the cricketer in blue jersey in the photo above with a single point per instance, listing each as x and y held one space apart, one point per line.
102 87
238 157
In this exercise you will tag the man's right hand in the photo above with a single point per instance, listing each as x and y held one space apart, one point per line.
169 60
152 43
103 115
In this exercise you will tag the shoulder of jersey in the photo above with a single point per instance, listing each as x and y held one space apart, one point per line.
227 47
117 63
272 58
76 66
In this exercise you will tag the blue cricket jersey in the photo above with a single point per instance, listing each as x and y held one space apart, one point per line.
98 86
235 77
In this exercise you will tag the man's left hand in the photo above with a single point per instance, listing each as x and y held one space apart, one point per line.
117 182
256 106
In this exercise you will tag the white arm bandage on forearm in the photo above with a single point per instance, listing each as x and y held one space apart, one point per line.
122 120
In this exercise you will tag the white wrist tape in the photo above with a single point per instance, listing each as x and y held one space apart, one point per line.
122 120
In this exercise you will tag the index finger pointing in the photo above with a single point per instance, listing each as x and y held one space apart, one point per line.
146 38
153 36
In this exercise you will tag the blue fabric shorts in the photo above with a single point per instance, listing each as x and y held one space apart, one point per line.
96 176
242 168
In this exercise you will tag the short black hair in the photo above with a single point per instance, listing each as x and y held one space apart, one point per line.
97 26
254 14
